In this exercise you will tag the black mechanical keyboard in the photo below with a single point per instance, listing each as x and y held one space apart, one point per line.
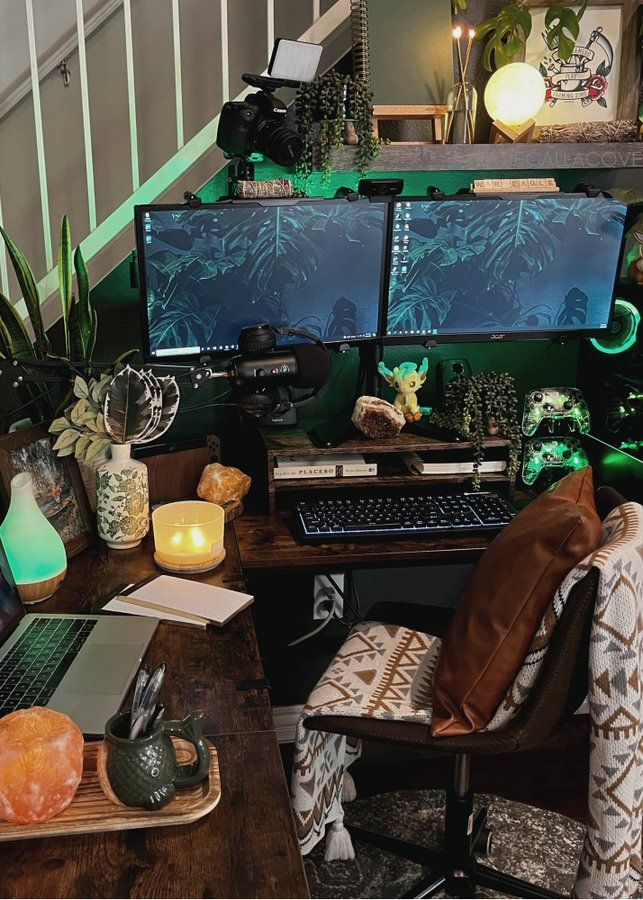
36 664
336 517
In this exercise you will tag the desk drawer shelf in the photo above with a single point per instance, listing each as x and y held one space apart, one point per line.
392 471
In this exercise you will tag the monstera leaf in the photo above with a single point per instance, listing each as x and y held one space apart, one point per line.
505 35
128 406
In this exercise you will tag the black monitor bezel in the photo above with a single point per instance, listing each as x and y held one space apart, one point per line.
342 344
556 334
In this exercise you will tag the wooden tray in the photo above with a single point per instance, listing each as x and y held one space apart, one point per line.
91 811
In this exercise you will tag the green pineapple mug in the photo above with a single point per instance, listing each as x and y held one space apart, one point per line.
144 772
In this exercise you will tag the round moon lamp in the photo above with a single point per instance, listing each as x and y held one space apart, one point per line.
35 551
621 334
188 536
513 96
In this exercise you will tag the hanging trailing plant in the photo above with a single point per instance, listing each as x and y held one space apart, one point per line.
505 34
322 108
481 405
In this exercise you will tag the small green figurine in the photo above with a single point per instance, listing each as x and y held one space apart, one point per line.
407 379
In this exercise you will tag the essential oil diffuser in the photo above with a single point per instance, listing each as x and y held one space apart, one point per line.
35 551
188 536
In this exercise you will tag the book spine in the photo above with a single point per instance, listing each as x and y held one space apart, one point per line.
305 472
356 470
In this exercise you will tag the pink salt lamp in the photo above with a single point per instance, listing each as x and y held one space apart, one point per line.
41 764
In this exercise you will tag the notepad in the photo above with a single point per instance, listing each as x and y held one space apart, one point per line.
181 600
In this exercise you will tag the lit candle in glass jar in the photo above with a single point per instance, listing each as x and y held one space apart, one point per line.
188 536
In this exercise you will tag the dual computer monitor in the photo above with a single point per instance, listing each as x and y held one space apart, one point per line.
408 269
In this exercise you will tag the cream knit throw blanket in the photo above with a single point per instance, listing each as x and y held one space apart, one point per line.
374 672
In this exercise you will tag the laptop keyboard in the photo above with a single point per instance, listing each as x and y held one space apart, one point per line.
36 664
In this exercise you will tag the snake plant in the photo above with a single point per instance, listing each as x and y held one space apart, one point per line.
78 316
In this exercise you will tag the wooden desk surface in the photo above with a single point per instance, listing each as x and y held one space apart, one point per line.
269 543
247 846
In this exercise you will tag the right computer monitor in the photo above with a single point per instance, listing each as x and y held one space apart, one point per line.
493 268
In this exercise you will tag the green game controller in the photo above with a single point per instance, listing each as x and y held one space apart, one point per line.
552 406
551 453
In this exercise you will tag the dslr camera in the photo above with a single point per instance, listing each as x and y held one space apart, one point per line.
258 122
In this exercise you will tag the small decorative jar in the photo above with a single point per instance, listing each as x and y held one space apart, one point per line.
122 499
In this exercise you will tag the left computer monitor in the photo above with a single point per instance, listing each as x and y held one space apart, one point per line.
207 272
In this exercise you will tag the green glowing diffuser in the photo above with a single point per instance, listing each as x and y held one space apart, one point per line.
35 551
622 331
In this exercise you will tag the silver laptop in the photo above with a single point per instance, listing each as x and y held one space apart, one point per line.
81 665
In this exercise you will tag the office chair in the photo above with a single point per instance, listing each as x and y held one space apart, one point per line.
558 692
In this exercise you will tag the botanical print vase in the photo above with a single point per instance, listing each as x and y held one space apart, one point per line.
122 499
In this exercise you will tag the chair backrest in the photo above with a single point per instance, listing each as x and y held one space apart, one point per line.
562 683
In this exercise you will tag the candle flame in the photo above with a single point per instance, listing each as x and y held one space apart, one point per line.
472 32
457 33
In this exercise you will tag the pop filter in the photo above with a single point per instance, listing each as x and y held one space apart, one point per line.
313 366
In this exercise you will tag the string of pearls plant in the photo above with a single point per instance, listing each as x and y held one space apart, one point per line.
322 109
480 406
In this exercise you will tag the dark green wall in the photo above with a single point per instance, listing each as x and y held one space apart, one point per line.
532 363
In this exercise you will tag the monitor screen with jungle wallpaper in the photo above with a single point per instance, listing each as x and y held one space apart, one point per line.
494 268
207 272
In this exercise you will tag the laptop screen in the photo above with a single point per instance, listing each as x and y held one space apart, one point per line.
11 610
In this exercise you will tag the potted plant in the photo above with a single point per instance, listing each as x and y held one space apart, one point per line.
111 414
506 33
331 110
481 406
79 321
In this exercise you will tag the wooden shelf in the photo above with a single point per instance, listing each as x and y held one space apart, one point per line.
378 481
402 157
297 443
392 472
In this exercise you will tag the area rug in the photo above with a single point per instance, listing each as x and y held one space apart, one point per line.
542 847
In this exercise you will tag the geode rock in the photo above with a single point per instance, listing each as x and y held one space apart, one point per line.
376 418
223 484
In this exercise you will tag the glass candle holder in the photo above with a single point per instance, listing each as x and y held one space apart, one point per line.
461 119
188 536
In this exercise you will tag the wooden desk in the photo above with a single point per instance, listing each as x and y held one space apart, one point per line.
247 846
269 543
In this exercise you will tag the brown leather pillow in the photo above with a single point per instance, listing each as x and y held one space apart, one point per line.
505 599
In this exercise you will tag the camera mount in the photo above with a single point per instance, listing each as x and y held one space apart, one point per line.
268 84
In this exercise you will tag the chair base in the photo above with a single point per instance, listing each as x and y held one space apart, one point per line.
454 869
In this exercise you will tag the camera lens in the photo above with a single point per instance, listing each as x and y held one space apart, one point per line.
280 144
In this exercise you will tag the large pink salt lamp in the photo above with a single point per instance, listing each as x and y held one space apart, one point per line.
41 764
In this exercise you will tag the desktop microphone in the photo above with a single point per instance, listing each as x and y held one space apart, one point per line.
299 366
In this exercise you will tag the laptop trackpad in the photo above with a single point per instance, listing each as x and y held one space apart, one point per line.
100 669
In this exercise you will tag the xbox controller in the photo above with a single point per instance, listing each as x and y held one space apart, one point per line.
551 453
555 405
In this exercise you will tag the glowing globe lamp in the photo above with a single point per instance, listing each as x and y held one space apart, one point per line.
513 96
35 551
188 536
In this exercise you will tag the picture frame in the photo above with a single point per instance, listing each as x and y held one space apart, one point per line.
593 103
58 484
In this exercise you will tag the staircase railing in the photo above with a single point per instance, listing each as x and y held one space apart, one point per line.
193 163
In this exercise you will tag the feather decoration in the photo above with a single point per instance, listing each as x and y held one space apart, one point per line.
170 405
127 406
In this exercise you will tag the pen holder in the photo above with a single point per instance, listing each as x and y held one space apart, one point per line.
144 772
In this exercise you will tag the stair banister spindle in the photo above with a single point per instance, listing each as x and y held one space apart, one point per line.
225 68
316 9
87 125
4 274
40 142
178 81
270 20
131 92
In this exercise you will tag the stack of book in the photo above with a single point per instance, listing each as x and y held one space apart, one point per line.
348 465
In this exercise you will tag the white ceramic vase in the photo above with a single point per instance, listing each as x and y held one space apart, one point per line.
122 499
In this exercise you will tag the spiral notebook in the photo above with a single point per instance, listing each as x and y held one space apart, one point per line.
182 601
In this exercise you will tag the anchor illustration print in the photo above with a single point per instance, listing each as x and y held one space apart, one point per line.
585 87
